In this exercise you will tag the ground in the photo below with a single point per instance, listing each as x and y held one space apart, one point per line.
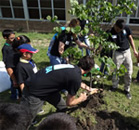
101 119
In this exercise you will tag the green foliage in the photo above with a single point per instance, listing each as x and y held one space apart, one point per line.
73 53
54 19
97 12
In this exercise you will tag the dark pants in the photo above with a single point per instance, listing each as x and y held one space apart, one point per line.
137 76
35 103
14 91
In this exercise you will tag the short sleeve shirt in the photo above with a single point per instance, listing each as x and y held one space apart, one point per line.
24 71
10 57
64 37
121 38
6 51
53 79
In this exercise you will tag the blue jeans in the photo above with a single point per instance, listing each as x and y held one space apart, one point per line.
87 42
14 91
54 60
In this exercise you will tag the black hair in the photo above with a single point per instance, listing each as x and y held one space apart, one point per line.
22 39
86 63
7 32
120 23
58 121
14 117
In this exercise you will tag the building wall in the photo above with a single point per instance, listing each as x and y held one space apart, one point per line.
41 26
28 26
31 21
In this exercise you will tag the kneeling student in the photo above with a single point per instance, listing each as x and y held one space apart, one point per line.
47 84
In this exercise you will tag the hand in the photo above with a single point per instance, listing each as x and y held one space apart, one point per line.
136 53
91 49
83 96
94 90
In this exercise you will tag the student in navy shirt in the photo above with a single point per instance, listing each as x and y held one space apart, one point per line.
121 35
63 41
26 66
47 84
7 52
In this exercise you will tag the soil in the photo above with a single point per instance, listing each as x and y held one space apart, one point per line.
103 120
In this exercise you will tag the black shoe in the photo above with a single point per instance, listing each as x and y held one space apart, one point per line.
112 89
128 95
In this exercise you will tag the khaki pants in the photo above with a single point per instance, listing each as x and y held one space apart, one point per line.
123 57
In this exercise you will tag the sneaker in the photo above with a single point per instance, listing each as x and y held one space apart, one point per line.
128 95
41 111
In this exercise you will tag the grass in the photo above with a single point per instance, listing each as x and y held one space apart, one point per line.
115 101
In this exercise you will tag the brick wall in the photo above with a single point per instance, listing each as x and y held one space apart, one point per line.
41 26
25 26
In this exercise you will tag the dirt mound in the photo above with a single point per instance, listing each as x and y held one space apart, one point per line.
89 117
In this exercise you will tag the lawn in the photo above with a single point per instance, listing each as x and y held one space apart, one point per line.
114 101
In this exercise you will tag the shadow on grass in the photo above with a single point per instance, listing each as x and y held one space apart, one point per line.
118 121
39 118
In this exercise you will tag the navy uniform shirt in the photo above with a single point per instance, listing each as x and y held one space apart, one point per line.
10 57
53 79
24 70
64 37
121 38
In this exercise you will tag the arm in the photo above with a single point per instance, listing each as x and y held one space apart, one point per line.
132 45
12 76
71 100
61 48
22 86
81 44
89 89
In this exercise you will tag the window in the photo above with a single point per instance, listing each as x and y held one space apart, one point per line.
32 3
6 9
59 9
18 8
59 3
34 9
34 13
13 9
60 14
45 3
46 12
19 13
6 12
4 3
17 3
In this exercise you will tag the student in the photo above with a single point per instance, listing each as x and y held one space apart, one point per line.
57 121
26 66
84 38
122 37
63 41
21 39
47 83
14 117
7 52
